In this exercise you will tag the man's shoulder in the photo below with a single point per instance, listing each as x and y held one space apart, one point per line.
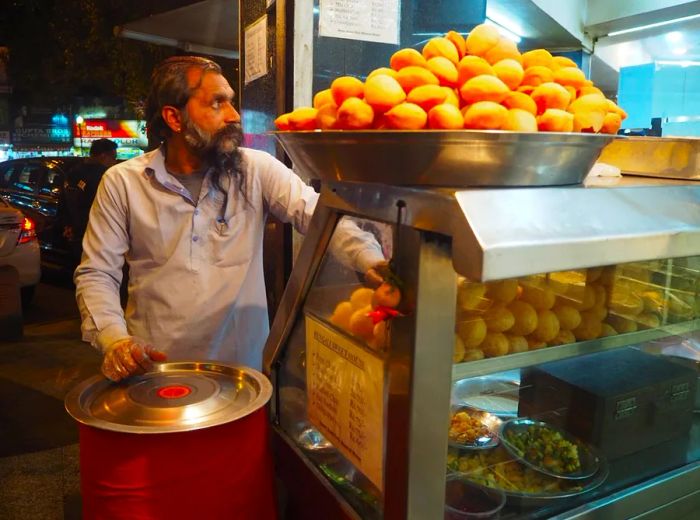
130 168
256 159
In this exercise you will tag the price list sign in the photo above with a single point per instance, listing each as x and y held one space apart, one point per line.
365 20
345 387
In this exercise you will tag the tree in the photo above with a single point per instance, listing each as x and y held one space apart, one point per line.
65 48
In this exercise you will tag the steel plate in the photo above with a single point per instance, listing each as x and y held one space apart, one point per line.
665 157
588 458
175 397
456 158
573 488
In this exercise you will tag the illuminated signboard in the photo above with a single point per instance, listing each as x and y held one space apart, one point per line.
122 132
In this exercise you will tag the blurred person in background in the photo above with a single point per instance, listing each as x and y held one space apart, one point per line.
189 219
79 192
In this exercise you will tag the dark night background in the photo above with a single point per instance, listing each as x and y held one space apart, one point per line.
64 52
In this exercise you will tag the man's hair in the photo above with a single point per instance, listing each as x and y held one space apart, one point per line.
102 146
169 88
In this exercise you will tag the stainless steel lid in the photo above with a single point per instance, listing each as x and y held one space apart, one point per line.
175 397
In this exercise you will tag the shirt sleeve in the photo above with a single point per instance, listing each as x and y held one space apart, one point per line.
99 275
293 201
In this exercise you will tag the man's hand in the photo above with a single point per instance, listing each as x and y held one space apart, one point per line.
129 356
376 274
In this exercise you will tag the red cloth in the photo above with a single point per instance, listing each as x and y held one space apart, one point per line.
224 472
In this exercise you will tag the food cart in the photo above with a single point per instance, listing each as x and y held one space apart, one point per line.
534 306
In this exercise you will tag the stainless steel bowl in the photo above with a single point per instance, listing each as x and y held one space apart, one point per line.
446 158
588 457
486 442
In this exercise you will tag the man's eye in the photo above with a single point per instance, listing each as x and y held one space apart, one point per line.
216 104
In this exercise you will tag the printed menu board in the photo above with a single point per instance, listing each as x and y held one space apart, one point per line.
345 390
365 20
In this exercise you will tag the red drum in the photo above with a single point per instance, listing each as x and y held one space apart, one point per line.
159 447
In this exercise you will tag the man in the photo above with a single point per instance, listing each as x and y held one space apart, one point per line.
80 189
189 219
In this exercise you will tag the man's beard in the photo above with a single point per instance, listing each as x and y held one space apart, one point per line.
217 147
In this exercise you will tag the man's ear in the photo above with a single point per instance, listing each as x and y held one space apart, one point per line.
171 116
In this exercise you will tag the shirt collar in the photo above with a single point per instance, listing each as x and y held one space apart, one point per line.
156 168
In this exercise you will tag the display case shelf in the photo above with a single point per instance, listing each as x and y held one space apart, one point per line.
525 359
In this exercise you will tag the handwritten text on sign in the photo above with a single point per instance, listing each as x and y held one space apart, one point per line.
365 20
345 386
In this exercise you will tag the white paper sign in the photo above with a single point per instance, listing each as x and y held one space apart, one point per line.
365 20
256 50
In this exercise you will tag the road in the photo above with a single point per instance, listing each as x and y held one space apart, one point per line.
39 467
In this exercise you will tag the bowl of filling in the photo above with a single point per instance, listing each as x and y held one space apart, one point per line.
473 429
548 449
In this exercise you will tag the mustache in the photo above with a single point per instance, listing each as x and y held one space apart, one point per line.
232 131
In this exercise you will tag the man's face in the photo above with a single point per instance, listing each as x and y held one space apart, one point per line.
209 121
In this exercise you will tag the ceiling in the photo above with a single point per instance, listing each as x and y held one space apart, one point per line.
673 42
207 27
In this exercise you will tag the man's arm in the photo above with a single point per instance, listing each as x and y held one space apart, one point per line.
291 200
99 275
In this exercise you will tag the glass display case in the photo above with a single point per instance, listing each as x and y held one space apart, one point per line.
535 354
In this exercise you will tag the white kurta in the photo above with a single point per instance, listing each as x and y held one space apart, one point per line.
196 286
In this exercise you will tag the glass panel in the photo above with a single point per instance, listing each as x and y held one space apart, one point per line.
28 177
5 174
51 183
339 303
547 310
555 435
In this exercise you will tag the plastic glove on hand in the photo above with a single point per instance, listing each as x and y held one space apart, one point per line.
129 356
376 274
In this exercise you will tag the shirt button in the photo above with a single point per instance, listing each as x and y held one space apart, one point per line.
195 238
196 212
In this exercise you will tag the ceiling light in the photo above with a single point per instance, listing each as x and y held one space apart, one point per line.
674 36
504 32
680 63
679 51
652 25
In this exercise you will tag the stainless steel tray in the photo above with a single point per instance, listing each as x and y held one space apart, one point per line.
440 158
569 489
666 157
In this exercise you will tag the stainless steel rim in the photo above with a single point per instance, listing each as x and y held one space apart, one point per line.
79 399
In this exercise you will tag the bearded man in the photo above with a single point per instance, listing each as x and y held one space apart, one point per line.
189 219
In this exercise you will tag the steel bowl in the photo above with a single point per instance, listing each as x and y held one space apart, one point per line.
445 158
491 422
589 458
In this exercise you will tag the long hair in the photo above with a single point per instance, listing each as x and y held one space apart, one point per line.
169 87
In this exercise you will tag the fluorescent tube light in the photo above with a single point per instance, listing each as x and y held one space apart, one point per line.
653 25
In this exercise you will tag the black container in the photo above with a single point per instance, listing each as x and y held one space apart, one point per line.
622 401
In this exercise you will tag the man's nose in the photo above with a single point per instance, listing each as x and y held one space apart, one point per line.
232 115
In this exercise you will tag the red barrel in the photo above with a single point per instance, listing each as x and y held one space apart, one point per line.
211 469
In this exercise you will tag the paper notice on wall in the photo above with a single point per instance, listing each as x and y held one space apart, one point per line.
345 391
365 20
255 50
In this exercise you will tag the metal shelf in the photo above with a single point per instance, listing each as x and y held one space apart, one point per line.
525 359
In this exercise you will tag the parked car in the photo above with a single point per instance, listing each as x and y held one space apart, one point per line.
19 248
34 186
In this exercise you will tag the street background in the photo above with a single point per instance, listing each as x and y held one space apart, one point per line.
39 470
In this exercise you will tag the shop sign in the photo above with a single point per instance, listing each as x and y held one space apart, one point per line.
41 135
345 393
255 61
122 132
